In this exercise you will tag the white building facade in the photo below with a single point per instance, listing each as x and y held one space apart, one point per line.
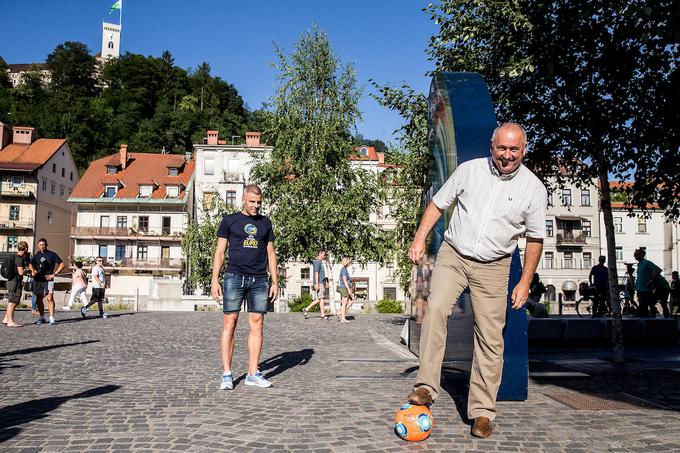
133 210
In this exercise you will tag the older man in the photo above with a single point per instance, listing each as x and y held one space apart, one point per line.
496 199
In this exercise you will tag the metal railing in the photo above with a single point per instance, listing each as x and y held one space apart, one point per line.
20 223
137 263
169 232
9 189
230 176
570 238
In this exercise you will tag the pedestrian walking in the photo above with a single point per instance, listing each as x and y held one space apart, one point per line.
249 237
661 291
318 287
675 293
98 289
13 270
45 266
644 284
345 290
78 286
630 307
496 199
599 277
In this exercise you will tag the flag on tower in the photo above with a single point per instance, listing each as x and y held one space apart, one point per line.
116 6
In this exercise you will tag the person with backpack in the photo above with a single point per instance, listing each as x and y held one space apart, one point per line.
45 265
13 270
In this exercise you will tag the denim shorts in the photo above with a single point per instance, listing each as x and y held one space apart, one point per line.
239 288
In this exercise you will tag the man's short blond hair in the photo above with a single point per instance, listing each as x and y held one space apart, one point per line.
252 188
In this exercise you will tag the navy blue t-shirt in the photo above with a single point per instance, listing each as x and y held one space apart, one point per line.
44 264
248 238
600 274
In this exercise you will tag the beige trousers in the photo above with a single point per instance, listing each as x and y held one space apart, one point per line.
488 284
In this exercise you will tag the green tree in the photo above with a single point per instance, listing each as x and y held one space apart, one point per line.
73 70
591 83
406 181
316 199
200 240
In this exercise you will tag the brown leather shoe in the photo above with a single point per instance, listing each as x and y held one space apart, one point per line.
482 427
420 397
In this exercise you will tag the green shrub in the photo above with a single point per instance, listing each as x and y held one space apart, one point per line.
301 302
389 306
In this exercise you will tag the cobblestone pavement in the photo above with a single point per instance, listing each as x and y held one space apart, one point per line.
149 382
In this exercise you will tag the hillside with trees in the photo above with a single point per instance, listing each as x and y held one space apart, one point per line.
147 102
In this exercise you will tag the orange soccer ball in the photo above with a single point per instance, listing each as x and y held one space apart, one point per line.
413 423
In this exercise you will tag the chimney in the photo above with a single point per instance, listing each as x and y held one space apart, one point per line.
123 156
4 136
23 135
187 156
252 139
381 158
212 137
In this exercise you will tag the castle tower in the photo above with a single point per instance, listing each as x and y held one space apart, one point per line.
110 41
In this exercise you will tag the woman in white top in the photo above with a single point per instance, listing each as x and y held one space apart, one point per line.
78 286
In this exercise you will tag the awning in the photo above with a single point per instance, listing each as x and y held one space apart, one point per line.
568 217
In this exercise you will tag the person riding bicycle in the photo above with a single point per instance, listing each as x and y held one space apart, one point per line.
599 277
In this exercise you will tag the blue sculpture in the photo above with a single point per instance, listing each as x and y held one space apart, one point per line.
461 120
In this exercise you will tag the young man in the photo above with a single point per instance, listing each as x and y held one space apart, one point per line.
497 199
14 286
250 239
98 288
45 265
319 289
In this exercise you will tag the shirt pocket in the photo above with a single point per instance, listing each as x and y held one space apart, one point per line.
508 209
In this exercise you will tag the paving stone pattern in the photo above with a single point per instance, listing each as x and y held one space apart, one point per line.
149 382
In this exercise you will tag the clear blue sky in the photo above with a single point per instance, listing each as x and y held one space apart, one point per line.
385 39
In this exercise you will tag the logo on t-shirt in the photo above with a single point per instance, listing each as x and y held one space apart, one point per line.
250 241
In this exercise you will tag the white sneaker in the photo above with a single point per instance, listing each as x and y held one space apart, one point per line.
66 308
41 320
227 382
257 380
52 322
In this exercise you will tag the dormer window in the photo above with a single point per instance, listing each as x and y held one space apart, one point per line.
145 190
111 169
172 191
173 171
110 191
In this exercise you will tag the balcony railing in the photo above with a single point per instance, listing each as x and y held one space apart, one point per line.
8 189
136 263
162 232
570 238
22 223
575 264
230 176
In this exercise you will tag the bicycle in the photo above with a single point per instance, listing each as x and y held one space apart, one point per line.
589 294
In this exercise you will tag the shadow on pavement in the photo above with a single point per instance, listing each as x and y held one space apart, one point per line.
281 362
92 317
12 417
457 386
44 348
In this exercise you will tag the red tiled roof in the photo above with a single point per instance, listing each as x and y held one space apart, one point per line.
372 155
29 157
141 168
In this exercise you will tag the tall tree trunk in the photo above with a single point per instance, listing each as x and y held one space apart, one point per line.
606 206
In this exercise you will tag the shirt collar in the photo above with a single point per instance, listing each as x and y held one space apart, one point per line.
498 174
